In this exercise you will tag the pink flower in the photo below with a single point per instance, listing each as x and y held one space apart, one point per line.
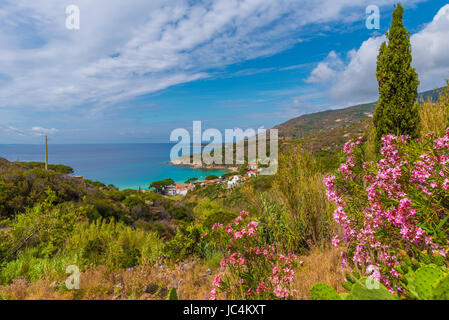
217 281
213 294
260 288
253 224
238 219
335 241
446 184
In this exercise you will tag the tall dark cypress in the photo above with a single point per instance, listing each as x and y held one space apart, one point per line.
396 112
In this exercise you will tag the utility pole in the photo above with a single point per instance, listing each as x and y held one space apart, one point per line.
46 154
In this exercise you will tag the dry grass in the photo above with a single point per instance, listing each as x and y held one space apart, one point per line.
434 116
319 266
142 282
153 282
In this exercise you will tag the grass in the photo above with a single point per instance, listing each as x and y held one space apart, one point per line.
299 190
145 282
434 116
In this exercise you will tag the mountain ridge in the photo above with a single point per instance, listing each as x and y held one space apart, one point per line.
320 122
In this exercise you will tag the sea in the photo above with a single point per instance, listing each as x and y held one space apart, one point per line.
127 166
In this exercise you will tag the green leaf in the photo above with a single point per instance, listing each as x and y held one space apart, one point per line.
425 277
441 289
172 294
370 289
323 291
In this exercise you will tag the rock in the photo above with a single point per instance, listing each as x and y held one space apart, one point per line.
151 288
163 292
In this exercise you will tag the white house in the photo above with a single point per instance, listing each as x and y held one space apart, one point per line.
235 180
252 166
251 173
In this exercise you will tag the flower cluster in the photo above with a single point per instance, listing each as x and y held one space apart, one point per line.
250 269
398 203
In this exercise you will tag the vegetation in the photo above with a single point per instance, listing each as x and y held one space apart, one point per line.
396 112
434 115
160 185
191 180
340 220
255 269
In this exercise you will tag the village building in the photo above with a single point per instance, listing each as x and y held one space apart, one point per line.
208 182
235 180
252 166
251 173
177 189
169 190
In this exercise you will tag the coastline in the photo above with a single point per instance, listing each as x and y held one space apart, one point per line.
202 166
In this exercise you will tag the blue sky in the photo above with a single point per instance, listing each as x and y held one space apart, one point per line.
134 72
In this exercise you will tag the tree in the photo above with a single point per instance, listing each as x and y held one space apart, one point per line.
211 177
159 185
396 112
227 175
191 180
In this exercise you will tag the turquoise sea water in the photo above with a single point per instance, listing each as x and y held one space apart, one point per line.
124 165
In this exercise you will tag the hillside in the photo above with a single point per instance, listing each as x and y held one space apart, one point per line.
317 123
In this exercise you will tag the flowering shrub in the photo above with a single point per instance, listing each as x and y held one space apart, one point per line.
250 269
394 208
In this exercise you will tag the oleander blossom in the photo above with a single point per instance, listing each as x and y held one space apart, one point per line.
250 269
392 204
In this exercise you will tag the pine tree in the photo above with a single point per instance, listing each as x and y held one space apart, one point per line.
396 112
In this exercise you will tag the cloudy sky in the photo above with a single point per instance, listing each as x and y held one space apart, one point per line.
137 69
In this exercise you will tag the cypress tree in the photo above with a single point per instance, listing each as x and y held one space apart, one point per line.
396 112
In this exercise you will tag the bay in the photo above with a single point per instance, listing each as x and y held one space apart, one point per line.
123 165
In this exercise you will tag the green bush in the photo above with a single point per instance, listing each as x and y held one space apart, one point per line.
44 227
298 188
187 242
113 244
32 268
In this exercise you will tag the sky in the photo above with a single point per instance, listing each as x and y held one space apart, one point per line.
135 70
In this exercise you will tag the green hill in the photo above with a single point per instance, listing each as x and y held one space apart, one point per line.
321 122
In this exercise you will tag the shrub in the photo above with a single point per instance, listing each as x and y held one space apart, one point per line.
188 241
300 190
44 227
28 266
113 244
253 271
398 204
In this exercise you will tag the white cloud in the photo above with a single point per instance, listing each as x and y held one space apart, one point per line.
430 49
125 50
12 130
326 70
356 82
43 131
